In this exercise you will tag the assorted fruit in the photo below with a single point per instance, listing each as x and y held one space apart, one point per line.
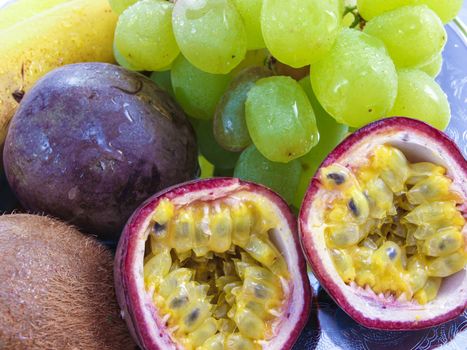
229 91
232 61
221 269
383 225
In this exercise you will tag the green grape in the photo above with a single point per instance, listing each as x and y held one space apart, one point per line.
162 79
356 82
211 150
280 177
118 6
230 128
250 11
331 134
197 92
210 34
445 9
413 35
144 35
420 97
309 163
280 119
433 67
298 32
122 61
207 169
372 8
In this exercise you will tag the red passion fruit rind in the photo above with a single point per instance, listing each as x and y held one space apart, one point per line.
418 142
145 318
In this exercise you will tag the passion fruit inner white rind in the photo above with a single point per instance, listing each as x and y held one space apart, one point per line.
216 264
358 233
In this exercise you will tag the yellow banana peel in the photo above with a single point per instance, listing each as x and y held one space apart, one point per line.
69 32
20 10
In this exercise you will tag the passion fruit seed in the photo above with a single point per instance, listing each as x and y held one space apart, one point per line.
394 226
215 275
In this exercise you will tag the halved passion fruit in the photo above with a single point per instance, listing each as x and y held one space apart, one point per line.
213 264
383 225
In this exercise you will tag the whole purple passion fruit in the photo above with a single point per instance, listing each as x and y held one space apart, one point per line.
91 141
383 226
213 264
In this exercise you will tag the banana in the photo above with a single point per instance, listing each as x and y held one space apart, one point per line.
22 9
70 32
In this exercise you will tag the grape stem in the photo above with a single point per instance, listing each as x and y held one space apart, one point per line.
358 19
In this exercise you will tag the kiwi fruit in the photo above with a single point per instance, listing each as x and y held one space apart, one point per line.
56 288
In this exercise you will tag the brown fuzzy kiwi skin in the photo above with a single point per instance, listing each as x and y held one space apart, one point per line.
56 288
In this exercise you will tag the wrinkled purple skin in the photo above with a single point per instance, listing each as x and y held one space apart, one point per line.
91 141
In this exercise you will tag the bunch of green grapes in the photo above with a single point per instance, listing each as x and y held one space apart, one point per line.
230 64
357 81
213 35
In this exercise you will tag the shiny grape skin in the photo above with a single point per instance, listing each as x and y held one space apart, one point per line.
210 34
420 97
356 82
230 129
144 35
196 91
280 119
280 177
413 35
299 32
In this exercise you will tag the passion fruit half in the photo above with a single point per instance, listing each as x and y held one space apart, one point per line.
213 264
383 226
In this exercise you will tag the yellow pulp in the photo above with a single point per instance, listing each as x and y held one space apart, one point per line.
215 274
394 226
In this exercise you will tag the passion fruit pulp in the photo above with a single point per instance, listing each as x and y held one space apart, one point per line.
213 264
382 225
